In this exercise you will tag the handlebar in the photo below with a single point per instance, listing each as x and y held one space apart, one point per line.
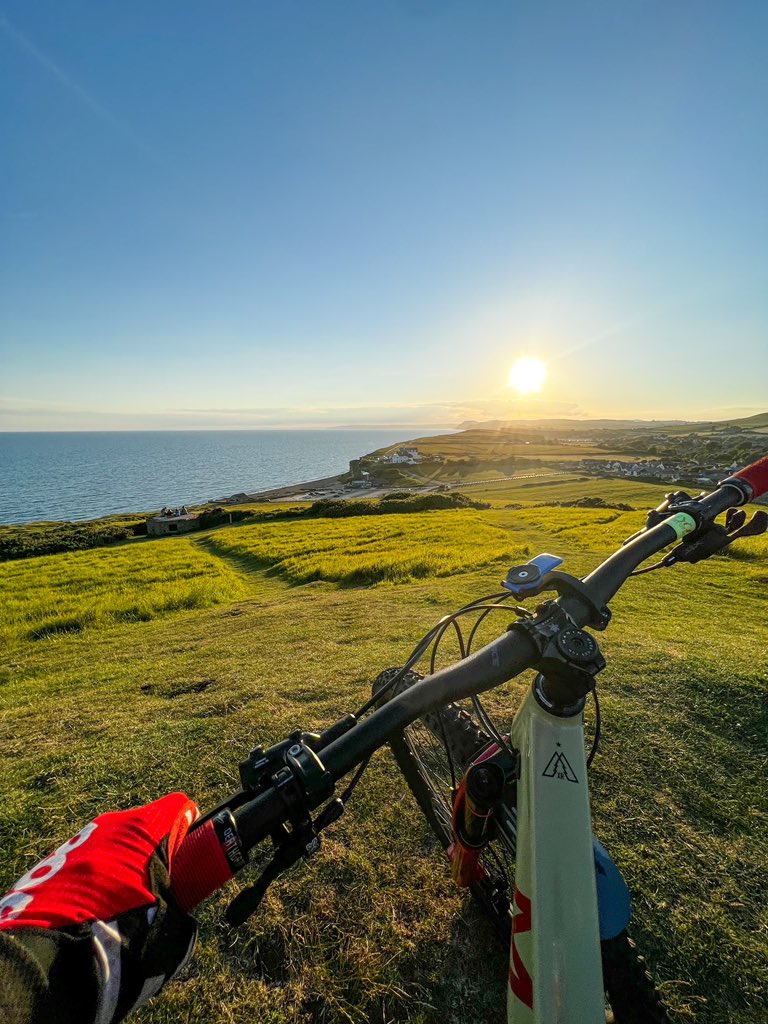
608 578
213 852
199 868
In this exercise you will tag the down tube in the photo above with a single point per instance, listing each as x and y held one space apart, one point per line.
555 974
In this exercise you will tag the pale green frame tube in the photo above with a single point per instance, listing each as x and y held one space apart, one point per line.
555 968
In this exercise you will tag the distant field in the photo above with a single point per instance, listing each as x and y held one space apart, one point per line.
499 444
369 549
565 487
67 593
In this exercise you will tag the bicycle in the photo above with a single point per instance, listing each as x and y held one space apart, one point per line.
502 807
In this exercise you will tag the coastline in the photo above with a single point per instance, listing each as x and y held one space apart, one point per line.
328 487
324 487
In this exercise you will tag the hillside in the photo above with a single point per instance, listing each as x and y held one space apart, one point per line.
156 665
570 425
576 425
758 422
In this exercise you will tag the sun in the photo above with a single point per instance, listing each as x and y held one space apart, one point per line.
527 376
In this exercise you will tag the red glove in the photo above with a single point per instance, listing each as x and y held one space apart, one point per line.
93 931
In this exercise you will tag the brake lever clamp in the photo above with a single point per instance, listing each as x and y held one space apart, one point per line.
712 538
295 753
674 503
296 773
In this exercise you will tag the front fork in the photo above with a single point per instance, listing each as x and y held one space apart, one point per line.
555 974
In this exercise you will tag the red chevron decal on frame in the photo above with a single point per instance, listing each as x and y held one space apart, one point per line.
519 978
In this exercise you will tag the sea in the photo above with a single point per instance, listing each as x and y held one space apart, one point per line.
76 476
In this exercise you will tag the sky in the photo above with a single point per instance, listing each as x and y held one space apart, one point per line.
363 212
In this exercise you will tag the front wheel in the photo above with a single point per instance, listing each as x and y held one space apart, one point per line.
433 754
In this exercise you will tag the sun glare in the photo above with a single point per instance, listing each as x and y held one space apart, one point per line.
527 376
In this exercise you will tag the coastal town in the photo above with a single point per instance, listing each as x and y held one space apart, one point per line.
698 454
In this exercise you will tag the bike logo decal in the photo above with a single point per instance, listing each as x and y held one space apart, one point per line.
519 978
559 768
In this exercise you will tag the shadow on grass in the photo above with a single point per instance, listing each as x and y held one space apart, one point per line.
328 965
58 627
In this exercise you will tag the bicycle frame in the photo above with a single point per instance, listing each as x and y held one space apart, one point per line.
555 971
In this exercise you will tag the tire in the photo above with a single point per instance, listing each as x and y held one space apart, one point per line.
424 753
629 984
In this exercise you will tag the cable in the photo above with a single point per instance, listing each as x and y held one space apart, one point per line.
596 739
480 602
518 609
478 606
490 725
460 636
433 637
665 564
417 653
355 779
482 714
448 753
421 647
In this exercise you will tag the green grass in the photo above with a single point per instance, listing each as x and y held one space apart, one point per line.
67 593
370 550
595 529
32 539
372 930
564 487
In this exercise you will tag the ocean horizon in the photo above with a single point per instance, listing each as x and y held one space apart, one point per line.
79 475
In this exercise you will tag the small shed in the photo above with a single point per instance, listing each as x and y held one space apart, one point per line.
173 523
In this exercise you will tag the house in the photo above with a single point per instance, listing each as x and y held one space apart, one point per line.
407 456
172 521
364 480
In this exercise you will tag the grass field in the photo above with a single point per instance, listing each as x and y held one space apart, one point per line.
369 550
66 593
372 930
567 487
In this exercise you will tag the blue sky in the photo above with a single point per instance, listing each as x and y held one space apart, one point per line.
308 213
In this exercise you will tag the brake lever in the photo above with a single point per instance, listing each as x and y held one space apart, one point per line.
734 519
248 899
291 845
757 525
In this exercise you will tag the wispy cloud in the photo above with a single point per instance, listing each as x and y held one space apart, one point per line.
26 414
31 414
96 107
